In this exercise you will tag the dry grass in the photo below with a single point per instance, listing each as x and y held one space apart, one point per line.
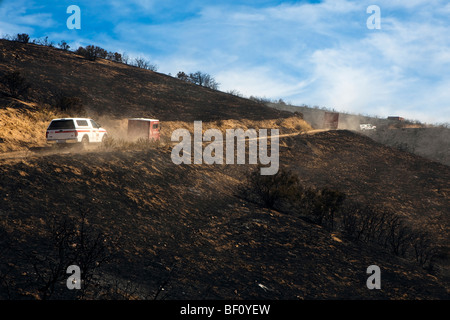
118 144
23 125
285 125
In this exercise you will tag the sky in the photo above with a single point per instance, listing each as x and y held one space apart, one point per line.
317 53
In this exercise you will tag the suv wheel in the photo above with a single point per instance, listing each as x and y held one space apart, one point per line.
84 143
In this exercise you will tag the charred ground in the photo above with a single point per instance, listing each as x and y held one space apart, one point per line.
187 229
145 228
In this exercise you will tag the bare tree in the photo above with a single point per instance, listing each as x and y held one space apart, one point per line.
50 262
125 58
91 251
63 45
44 42
204 80
67 242
92 52
144 64
22 37
236 93
114 56
425 249
199 78
183 76
398 236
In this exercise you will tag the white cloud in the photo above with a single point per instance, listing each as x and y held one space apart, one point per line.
259 81
410 4
15 18
43 20
402 68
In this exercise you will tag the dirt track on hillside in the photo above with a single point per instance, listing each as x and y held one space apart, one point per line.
52 150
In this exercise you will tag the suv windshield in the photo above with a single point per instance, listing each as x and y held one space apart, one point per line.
94 124
61 124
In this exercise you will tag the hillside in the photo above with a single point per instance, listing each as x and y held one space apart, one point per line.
110 92
144 228
182 227
369 172
119 90
431 142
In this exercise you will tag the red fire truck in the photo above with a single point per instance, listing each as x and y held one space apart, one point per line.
143 128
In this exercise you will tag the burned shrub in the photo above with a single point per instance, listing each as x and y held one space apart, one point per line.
329 208
364 223
63 45
67 103
425 249
15 85
66 241
115 56
144 64
22 37
321 206
92 52
284 192
380 226
70 104
273 191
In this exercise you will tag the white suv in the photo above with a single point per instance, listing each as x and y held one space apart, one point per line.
75 130
367 126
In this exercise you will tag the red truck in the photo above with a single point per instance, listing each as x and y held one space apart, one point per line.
143 128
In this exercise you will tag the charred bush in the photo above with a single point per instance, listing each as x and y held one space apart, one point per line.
22 37
321 205
199 78
14 84
284 192
92 52
70 104
363 222
63 45
115 56
273 191
65 241
425 249
383 227
144 64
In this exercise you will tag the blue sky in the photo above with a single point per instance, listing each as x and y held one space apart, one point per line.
305 52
